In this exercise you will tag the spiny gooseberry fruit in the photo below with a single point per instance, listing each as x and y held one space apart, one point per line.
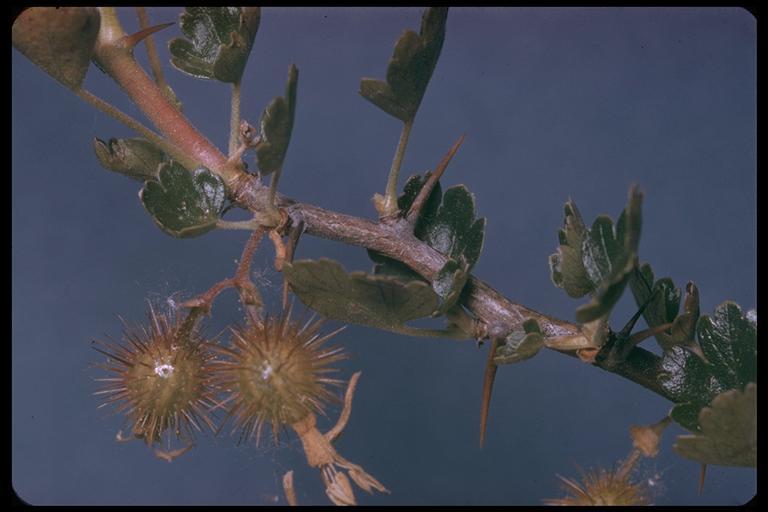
161 379
600 488
275 372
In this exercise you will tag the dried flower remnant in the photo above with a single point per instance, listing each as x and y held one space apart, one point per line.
321 454
161 379
646 438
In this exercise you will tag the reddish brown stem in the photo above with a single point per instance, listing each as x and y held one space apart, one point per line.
249 294
114 55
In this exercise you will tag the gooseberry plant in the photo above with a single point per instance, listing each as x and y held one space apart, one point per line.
172 382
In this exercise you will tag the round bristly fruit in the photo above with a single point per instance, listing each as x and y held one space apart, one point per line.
601 488
160 378
276 373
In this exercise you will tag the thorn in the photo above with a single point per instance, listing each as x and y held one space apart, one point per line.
488 378
624 333
701 478
294 233
132 40
426 190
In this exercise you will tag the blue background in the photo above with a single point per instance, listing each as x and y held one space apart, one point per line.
555 103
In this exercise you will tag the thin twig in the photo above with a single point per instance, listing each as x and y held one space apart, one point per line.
418 203
249 294
249 225
488 379
204 300
243 269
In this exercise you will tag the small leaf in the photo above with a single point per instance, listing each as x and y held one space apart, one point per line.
218 42
410 68
170 95
519 348
568 271
184 204
60 40
664 305
591 335
663 308
276 127
610 259
454 230
446 223
448 284
728 340
378 301
136 158
728 434
599 260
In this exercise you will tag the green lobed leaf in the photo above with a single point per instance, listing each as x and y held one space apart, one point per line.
446 223
728 340
519 348
567 269
136 158
410 68
664 305
610 258
218 42
184 204
454 231
599 260
60 40
377 301
276 127
728 435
